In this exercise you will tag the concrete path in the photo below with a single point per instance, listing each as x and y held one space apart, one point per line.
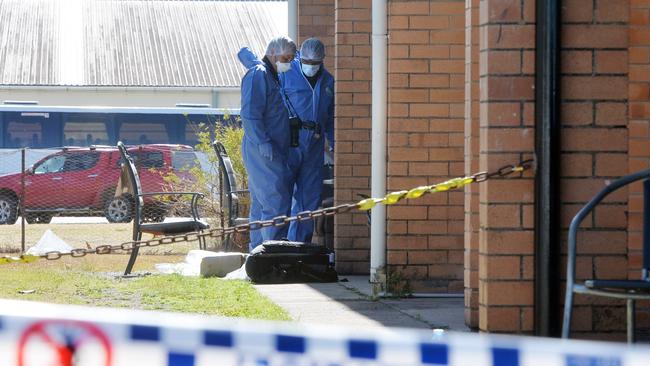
349 304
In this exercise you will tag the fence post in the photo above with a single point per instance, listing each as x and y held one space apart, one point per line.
22 200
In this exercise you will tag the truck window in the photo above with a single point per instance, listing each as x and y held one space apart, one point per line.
76 162
184 160
53 164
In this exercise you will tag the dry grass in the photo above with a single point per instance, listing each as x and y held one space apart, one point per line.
85 236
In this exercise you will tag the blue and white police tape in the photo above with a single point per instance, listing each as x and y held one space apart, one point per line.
44 334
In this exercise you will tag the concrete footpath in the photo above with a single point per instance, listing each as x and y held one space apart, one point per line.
349 303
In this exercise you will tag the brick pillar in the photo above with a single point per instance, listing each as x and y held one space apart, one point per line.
506 236
425 140
317 20
639 134
352 133
471 161
594 149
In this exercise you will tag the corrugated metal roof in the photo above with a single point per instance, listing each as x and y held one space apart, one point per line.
132 42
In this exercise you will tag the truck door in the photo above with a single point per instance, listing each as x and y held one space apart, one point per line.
82 177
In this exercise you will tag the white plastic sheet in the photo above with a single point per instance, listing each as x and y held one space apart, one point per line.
49 242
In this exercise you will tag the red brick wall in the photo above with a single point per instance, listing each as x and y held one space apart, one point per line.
352 159
461 99
506 237
317 20
639 133
425 140
594 148
471 161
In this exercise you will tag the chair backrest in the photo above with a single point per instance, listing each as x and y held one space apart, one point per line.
134 180
587 208
228 179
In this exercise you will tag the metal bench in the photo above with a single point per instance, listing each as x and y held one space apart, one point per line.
629 290
176 227
229 196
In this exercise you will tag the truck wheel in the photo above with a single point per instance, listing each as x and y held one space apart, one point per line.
39 218
8 209
119 209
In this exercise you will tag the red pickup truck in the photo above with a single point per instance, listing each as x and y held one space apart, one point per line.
82 182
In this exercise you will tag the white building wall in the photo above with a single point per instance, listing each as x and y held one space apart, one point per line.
122 96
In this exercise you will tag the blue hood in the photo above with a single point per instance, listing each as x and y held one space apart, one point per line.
248 58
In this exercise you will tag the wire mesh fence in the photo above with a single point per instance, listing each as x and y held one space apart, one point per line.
80 195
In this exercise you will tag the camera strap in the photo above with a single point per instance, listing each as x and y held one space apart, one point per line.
288 104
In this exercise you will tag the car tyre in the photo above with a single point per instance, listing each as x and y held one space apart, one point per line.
38 218
8 209
119 209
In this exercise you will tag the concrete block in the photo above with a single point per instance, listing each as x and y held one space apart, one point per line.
220 263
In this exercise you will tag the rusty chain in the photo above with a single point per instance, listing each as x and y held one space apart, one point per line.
363 205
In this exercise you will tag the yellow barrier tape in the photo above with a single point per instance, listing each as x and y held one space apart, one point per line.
368 203
417 192
25 258
394 197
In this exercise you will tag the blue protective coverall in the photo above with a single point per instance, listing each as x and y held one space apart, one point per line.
265 146
306 161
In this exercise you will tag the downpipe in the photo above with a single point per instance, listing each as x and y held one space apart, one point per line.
378 157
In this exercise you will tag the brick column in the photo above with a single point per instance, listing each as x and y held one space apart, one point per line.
506 237
639 134
352 160
471 161
425 140
317 20
594 149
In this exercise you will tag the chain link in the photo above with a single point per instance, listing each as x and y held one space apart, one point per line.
363 205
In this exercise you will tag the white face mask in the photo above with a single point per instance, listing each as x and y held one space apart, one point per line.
309 70
283 66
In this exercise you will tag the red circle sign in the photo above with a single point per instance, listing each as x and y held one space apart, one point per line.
64 343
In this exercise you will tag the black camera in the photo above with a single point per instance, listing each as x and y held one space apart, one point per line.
294 128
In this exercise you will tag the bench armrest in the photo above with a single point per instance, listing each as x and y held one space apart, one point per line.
171 194
240 191
195 199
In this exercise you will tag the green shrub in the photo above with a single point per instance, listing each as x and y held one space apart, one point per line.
207 179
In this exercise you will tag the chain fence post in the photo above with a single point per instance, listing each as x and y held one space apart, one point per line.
22 201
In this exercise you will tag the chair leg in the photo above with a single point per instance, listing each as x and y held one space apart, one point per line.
568 309
631 329
134 255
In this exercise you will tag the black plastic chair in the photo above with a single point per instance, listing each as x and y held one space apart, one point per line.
230 196
176 227
629 290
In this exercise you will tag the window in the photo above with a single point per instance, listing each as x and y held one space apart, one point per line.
142 133
53 164
149 159
184 160
145 159
76 162
85 133
24 134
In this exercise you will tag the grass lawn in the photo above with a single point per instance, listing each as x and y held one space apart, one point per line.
82 236
92 281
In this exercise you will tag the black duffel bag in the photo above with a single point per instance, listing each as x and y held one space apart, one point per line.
290 262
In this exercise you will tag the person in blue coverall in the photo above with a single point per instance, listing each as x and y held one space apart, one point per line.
265 146
310 90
